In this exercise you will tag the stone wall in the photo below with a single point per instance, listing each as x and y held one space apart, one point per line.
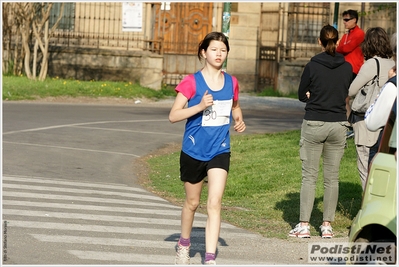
289 76
243 55
106 65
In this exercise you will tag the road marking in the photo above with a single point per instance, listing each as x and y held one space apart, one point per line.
124 242
65 206
78 124
118 229
154 259
42 180
85 192
74 199
92 217
123 257
124 130
107 217
129 242
73 148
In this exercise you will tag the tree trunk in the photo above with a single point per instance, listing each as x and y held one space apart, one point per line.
44 68
26 48
34 62
17 57
6 33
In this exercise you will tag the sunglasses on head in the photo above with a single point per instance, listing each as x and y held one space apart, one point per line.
346 20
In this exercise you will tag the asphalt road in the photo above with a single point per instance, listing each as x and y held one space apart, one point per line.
70 195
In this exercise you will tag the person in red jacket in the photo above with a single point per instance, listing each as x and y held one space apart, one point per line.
349 44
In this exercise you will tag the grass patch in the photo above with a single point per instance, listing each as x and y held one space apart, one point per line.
21 88
262 192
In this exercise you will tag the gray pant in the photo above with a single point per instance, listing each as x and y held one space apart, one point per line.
363 153
317 138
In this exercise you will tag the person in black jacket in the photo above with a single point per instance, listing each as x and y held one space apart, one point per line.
324 88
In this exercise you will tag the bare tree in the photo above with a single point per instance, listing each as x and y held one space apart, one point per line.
12 62
24 15
32 25
6 37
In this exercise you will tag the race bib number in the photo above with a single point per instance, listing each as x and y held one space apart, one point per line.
218 114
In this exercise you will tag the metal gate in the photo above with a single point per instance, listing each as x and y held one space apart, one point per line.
268 56
268 68
181 29
288 31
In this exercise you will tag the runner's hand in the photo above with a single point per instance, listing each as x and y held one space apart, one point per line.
239 126
207 100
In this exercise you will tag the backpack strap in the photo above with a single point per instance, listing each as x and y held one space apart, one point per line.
378 72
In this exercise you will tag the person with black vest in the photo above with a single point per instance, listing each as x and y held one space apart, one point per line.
324 88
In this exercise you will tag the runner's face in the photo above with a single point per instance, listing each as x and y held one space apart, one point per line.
216 53
351 23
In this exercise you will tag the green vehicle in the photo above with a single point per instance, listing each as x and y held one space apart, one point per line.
376 219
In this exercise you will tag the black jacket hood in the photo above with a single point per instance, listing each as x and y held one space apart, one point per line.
329 61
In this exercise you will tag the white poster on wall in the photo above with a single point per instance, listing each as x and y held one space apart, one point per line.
132 16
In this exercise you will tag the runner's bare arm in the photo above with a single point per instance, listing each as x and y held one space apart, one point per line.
178 111
239 124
